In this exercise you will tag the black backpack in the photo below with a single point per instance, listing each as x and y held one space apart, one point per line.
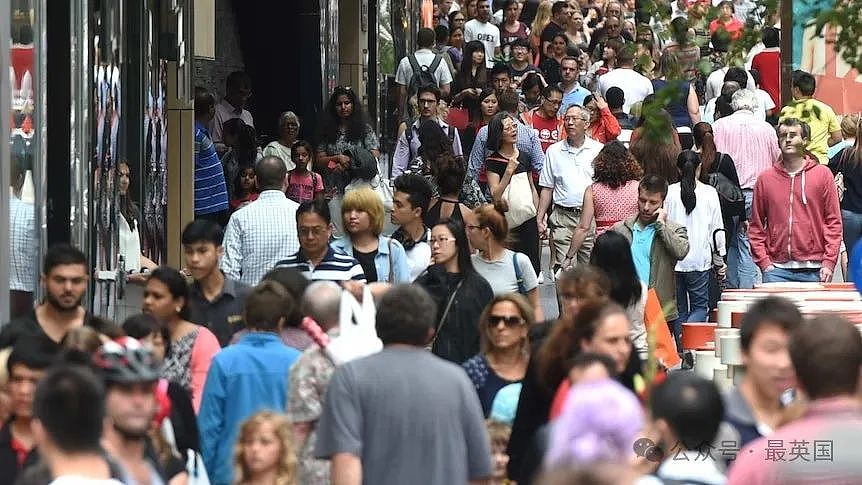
729 194
422 75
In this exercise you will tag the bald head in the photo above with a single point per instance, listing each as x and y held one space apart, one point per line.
321 301
270 173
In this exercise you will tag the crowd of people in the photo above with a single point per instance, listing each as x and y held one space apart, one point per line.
337 322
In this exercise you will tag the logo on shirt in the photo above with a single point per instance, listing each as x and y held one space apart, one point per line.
486 37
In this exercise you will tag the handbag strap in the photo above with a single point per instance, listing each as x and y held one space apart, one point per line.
445 313
519 276
391 268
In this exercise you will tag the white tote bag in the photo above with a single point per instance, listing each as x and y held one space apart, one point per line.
519 197
357 334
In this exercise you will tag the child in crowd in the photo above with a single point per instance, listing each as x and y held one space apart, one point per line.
303 184
264 451
244 188
499 433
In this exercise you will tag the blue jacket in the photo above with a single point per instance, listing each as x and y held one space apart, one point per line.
244 378
401 269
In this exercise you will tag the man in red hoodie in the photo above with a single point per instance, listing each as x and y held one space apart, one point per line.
796 228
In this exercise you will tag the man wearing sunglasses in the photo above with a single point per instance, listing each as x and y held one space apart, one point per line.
613 30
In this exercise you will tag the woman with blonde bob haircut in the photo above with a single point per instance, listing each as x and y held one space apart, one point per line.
504 347
382 258
264 451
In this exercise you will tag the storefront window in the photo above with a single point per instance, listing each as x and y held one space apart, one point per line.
23 231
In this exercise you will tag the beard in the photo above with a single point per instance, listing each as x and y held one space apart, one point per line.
60 306
130 434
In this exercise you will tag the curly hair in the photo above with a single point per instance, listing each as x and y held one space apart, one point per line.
357 124
287 462
615 165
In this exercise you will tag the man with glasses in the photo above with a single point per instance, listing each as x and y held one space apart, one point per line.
237 94
567 173
573 92
544 120
561 13
520 64
316 259
408 144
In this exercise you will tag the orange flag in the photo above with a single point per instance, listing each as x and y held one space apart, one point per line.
665 346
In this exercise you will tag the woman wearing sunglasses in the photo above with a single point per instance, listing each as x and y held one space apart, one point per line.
461 294
505 347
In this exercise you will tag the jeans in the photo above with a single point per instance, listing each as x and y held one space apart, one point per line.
741 271
852 233
781 275
692 296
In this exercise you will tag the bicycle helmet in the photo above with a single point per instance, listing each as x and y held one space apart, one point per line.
126 361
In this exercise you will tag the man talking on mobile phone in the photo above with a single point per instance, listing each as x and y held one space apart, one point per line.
657 245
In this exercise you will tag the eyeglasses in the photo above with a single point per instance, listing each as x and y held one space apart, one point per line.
311 231
573 119
440 240
470 226
510 321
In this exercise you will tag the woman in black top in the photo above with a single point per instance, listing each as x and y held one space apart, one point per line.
551 65
471 77
449 173
847 162
461 294
713 161
502 165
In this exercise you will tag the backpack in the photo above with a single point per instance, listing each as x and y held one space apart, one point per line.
422 75
729 194
408 134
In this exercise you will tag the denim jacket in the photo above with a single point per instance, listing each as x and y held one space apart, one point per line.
398 258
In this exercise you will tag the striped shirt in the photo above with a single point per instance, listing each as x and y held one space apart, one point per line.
210 187
334 267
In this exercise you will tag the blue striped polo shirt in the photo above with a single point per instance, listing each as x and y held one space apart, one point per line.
334 267
210 186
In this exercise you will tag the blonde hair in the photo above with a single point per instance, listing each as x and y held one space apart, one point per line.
365 200
498 432
524 308
849 125
543 18
287 462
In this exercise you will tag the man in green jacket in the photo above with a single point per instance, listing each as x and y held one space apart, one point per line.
657 245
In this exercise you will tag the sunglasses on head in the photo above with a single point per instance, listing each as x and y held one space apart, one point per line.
511 321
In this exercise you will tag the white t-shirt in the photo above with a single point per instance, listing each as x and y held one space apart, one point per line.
635 86
715 81
425 58
79 480
486 33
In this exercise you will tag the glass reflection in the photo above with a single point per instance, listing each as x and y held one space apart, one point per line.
23 244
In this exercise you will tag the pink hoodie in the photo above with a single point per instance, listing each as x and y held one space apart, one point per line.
796 218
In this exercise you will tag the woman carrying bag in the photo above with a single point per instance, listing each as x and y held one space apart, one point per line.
511 184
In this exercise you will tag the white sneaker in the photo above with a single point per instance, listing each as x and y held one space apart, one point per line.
541 278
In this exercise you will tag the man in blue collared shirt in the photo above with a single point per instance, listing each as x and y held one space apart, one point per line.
244 378
527 142
210 187
573 92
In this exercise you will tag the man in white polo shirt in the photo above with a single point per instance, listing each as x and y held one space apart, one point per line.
567 173
481 29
